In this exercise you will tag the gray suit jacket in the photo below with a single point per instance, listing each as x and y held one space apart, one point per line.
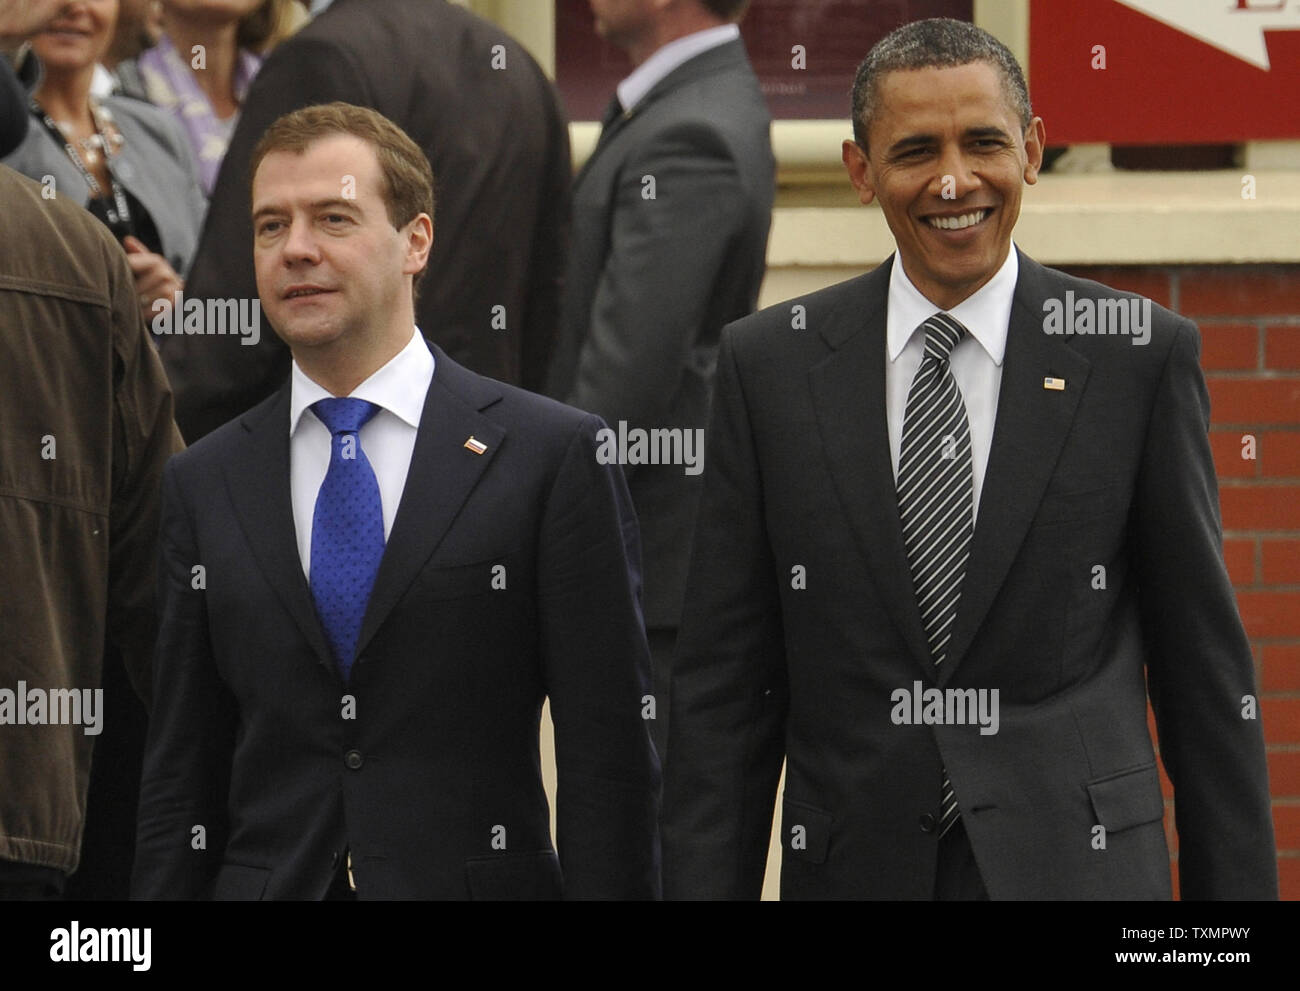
656 270
1063 801
155 167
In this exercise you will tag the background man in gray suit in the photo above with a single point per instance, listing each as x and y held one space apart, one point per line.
669 238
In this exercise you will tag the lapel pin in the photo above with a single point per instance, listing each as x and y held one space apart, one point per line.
1056 385
475 445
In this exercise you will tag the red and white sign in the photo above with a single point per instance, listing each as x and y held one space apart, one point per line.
1165 71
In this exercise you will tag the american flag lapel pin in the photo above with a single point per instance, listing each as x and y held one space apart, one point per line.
475 445
1056 385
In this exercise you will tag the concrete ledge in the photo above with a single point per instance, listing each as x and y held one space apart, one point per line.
1115 219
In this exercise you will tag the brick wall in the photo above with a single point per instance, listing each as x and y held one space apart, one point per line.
1249 317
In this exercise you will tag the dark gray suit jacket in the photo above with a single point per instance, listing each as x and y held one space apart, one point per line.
499 147
1113 470
652 281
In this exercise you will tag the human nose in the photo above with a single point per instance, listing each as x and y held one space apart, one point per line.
954 177
299 244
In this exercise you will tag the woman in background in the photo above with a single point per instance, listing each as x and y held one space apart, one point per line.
202 65
122 159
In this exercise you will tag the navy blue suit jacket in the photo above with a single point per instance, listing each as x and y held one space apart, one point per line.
434 781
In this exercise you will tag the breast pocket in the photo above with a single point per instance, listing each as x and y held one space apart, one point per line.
1068 505
490 576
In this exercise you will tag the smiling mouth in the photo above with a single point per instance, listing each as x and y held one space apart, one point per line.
960 222
300 293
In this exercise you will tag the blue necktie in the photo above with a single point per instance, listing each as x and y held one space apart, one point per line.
347 530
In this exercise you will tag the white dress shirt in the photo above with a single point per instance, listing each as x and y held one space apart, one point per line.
388 438
643 79
976 361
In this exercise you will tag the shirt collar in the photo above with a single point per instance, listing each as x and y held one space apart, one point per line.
646 75
986 313
398 387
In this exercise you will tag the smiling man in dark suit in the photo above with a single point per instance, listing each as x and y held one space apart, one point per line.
371 581
668 244
940 545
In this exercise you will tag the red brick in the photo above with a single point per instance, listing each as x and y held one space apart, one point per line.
1281 720
1270 614
1227 447
1281 562
1284 773
1255 400
1229 346
1153 283
1281 668
1260 507
1240 291
1279 453
1166 786
1286 826
1281 348
1288 871
1239 556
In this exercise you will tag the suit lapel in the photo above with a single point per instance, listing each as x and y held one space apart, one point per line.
443 472
724 56
259 490
848 390
1029 431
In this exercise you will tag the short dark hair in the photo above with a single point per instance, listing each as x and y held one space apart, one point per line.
407 187
939 42
728 10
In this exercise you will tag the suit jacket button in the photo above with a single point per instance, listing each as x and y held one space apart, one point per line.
928 822
352 759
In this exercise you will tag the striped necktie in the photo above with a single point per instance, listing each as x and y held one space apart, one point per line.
936 499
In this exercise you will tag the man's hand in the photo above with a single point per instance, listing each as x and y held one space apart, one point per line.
154 278
21 18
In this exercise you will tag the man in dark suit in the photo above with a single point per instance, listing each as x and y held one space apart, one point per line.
941 541
371 581
489 122
670 223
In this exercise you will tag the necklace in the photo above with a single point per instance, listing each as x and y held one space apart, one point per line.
106 141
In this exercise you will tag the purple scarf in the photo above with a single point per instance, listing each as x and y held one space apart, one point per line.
170 84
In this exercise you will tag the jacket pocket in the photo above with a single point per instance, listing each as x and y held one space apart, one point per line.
237 883
805 832
515 877
462 581
1070 506
1129 798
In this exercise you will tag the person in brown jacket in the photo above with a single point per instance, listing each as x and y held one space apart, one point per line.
85 429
